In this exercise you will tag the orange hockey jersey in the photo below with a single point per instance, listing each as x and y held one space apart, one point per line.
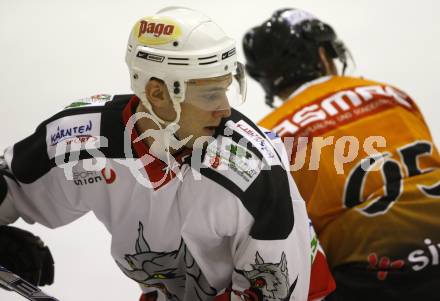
364 161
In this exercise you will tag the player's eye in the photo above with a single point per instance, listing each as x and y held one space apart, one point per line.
212 96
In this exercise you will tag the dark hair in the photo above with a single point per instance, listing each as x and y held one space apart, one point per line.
280 53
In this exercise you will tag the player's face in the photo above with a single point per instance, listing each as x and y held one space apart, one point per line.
206 104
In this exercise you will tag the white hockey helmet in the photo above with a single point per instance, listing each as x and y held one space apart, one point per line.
179 45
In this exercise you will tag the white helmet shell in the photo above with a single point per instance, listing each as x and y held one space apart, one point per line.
175 45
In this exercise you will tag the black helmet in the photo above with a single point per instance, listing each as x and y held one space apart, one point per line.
283 51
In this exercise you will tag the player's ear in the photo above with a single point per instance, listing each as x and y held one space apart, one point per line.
157 93
327 62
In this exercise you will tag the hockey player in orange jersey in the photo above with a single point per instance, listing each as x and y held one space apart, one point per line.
361 155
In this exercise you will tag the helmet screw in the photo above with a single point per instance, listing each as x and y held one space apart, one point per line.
175 43
135 76
176 90
176 84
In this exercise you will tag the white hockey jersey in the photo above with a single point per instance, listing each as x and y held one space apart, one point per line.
225 218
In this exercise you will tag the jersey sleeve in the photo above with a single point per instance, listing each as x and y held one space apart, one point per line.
227 242
8 213
33 185
255 242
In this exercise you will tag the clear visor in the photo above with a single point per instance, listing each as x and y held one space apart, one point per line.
217 93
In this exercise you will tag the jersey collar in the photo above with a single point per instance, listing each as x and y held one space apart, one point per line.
306 85
158 171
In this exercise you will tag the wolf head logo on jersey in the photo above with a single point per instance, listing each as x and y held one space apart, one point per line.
271 279
175 273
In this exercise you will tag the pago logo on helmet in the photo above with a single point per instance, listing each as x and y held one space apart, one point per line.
156 31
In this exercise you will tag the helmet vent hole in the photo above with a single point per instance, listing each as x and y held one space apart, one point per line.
207 60
207 63
178 61
175 43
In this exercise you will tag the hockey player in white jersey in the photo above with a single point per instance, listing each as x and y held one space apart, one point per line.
197 198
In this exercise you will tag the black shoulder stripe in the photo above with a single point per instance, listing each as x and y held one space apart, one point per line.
4 172
269 201
31 160
118 103
113 128
267 198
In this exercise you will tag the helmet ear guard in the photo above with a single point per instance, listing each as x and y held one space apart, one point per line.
284 50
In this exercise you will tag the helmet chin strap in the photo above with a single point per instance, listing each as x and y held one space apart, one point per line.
165 137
